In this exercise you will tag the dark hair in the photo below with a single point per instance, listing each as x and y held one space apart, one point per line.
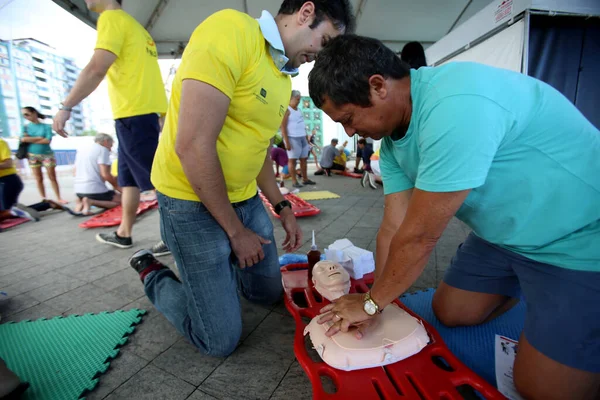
339 12
343 68
120 2
362 141
414 55
33 110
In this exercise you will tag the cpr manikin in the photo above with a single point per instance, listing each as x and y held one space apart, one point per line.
393 336
330 279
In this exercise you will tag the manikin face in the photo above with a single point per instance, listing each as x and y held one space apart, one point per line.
331 280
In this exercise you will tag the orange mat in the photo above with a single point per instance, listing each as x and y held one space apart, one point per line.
112 217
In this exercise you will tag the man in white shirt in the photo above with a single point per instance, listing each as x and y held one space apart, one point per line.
92 170
293 131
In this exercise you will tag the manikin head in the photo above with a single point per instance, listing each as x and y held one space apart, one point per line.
295 99
331 279
104 140
103 5
362 84
306 26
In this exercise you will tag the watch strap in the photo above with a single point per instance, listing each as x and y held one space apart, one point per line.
369 299
281 205
65 108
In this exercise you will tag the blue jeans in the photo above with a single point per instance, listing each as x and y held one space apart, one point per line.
205 306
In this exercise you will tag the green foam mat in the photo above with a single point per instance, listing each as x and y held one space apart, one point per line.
62 358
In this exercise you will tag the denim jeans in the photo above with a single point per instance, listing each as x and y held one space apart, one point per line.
205 306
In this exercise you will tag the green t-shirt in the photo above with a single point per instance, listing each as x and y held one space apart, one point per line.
39 130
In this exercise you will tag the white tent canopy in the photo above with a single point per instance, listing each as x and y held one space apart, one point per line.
395 22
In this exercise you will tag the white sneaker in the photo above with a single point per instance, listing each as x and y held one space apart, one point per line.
22 211
372 182
364 179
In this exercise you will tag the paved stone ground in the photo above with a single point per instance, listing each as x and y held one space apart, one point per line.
54 268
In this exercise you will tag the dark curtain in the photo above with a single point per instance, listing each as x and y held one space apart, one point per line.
565 53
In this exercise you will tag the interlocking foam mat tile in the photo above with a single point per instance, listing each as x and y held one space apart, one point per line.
318 195
9 223
63 357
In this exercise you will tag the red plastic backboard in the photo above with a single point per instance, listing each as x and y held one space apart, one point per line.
432 374
301 208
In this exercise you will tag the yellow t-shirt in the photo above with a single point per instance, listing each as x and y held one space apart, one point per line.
5 154
135 86
227 51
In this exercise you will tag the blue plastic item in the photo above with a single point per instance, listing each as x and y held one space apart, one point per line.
473 345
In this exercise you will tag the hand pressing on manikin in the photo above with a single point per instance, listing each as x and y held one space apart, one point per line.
347 313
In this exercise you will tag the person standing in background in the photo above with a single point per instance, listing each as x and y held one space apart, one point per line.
125 53
293 130
40 154
312 142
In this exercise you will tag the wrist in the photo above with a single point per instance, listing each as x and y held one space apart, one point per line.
286 212
64 106
235 230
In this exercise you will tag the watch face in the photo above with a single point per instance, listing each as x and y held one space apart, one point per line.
370 308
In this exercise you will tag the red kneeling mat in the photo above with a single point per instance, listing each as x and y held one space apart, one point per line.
10 222
301 208
112 217
352 174
433 373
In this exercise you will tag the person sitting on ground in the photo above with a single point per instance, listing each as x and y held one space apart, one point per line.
280 159
92 170
364 153
328 156
11 187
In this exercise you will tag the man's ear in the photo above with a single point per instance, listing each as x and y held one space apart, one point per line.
306 14
378 86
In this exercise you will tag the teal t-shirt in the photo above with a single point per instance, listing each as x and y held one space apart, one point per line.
530 157
39 130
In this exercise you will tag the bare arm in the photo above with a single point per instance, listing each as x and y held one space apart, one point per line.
36 140
86 83
426 218
108 177
90 77
201 117
267 183
284 132
6 164
394 211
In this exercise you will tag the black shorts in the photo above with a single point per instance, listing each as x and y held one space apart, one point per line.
138 139
106 196
336 167
10 188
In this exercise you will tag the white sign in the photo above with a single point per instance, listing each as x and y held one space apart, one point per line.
504 10
506 351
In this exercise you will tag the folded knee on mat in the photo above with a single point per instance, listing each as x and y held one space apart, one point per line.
451 317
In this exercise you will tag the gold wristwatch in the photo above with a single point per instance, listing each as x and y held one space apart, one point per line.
369 306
